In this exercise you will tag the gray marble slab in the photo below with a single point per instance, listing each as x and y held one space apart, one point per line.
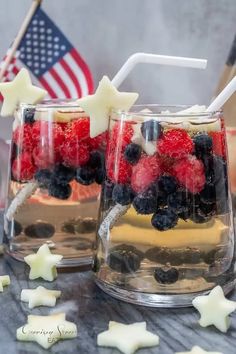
91 310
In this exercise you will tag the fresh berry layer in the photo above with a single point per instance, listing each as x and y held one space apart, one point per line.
54 154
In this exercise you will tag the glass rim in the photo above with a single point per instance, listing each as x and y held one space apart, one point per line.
138 110
52 103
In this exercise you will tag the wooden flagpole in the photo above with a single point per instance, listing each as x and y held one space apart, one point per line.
33 8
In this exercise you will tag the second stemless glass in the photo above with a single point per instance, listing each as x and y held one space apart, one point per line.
55 174
166 230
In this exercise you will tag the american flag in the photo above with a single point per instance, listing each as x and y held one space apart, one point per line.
55 64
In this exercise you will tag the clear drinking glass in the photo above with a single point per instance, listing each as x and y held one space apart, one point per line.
165 230
55 174
231 142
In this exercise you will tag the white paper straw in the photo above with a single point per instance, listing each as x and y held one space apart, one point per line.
138 58
225 94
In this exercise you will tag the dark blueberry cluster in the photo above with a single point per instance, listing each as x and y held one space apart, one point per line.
174 257
57 180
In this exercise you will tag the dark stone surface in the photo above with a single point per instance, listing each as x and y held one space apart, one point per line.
91 310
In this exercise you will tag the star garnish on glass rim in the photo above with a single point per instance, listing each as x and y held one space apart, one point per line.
40 297
214 309
47 330
20 90
198 350
99 105
127 338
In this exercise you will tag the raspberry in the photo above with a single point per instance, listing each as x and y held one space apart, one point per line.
120 135
50 134
190 173
39 129
79 128
146 171
118 171
23 168
74 154
218 139
23 138
45 157
175 143
99 142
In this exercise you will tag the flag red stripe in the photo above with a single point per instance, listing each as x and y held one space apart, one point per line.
84 68
47 87
15 70
60 82
73 77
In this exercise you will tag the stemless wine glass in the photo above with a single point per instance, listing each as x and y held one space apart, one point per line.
55 174
165 231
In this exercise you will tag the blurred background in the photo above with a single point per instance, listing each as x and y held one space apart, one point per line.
106 32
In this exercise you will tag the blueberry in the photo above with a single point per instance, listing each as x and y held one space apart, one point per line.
40 230
106 194
151 130
85 175
159 255
164 219
99 175
179 201
132 153
96 159
17 228
29 115
60 191
83 244
107 189
146 202
124 261
69 227
198 216
208 194
122 194
85 225
191 255
207 209
213 255
166 276
43 177
203 144
220 169
129 248
62 174
167 184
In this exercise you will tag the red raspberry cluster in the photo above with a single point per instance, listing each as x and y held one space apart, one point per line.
174 157
42 145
